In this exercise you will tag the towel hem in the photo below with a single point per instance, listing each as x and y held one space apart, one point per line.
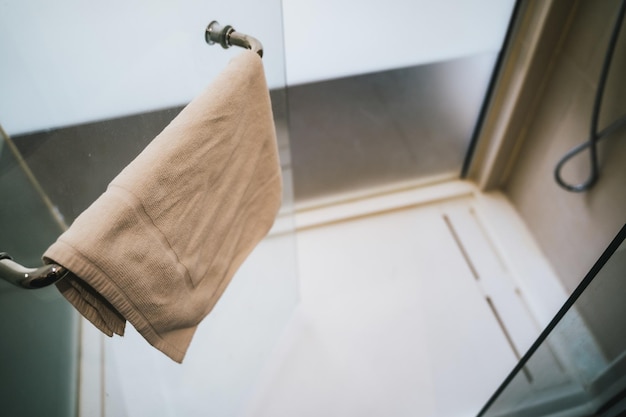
94 277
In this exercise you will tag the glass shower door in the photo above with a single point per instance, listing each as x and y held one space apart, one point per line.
88 87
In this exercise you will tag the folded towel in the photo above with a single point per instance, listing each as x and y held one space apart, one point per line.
159 247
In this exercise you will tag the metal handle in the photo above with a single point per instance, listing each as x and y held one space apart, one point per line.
30 278
227 37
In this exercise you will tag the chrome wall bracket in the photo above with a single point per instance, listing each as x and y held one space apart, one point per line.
226 36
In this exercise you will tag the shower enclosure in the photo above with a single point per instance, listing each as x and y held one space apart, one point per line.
86 86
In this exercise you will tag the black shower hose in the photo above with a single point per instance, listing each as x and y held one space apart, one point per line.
594 135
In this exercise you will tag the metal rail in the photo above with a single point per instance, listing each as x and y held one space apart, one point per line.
30 278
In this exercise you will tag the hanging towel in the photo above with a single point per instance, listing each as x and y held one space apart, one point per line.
159 247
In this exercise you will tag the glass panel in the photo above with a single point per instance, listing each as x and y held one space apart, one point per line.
39 343
396 126
578 367
89 86
386 94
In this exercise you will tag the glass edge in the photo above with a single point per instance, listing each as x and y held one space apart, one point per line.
489 94
599 264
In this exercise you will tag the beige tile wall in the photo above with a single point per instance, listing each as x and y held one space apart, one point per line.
574 228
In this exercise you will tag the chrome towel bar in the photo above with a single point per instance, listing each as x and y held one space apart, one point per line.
30 278
227 37
43 276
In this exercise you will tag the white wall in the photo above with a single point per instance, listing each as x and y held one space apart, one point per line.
68 62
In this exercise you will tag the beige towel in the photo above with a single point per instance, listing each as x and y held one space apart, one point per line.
159 247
